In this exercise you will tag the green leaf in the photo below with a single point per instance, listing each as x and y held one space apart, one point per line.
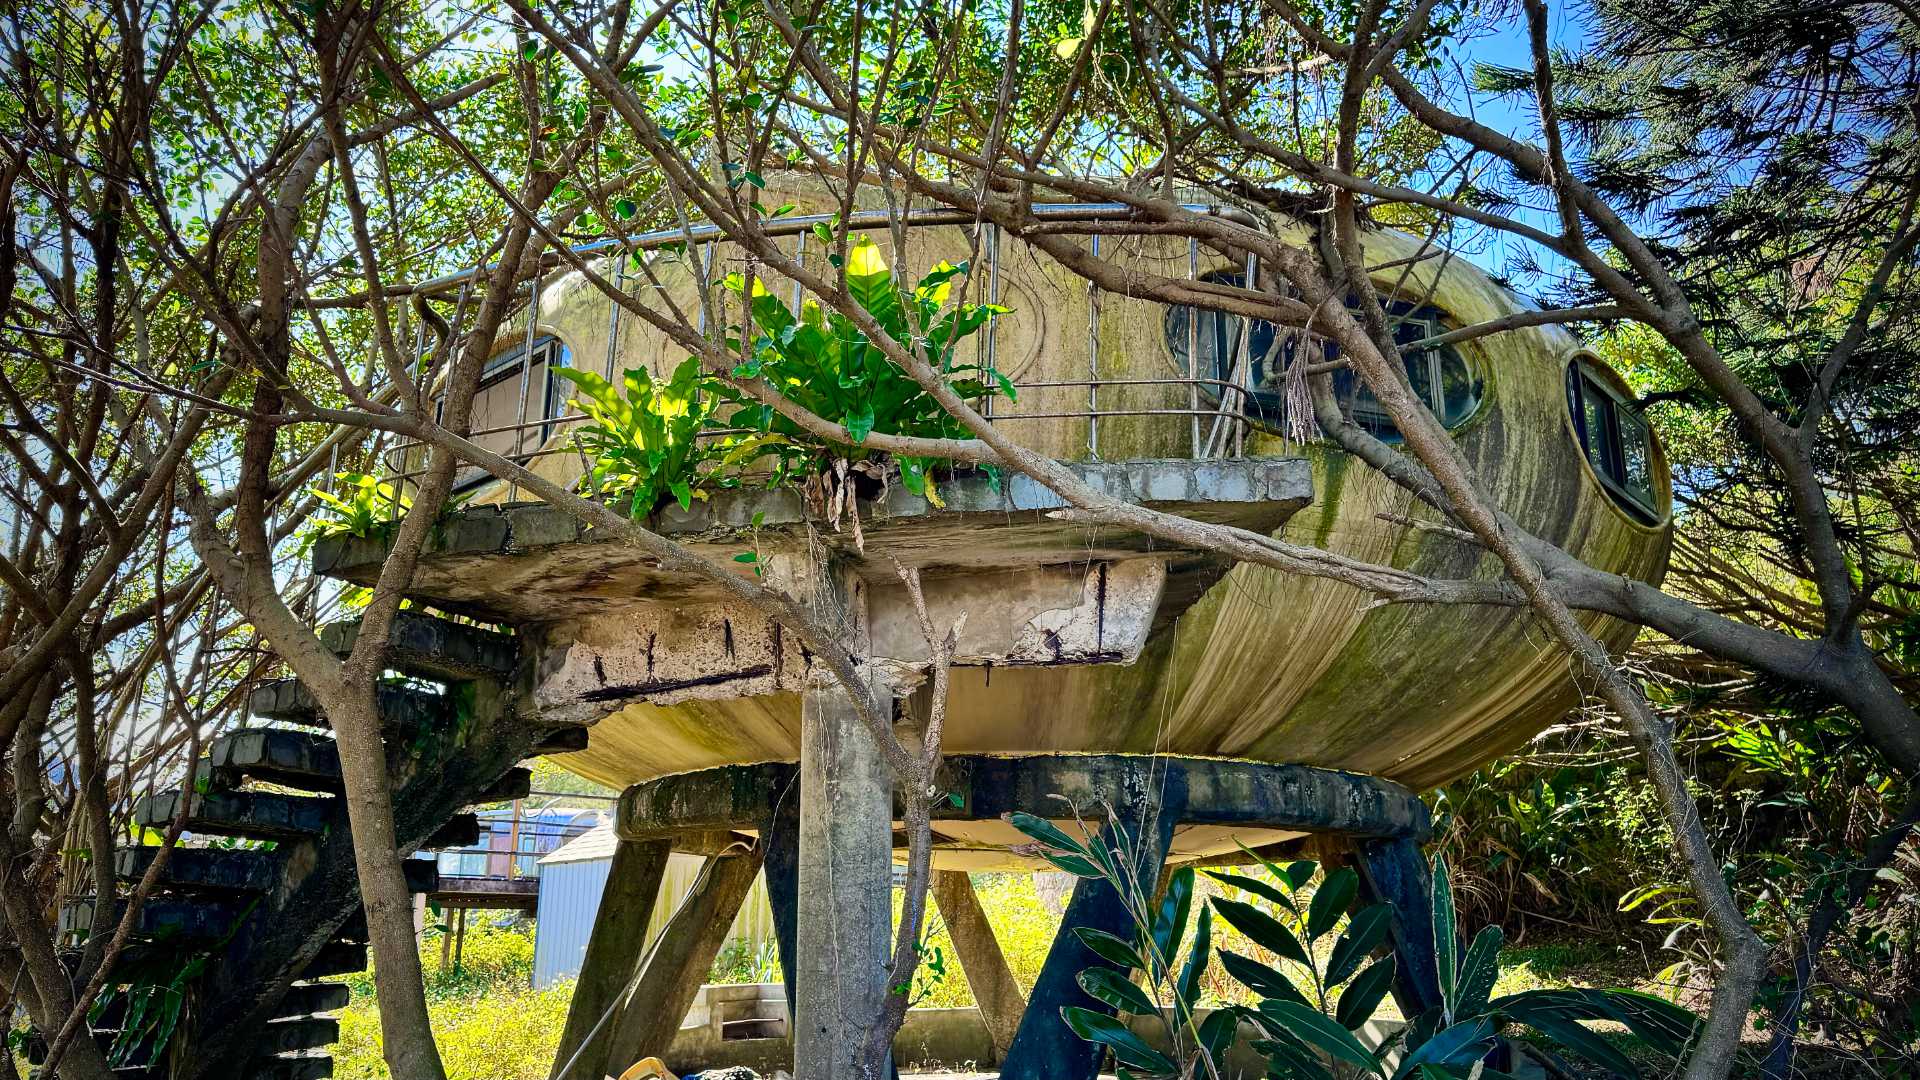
1362 997
1044 831
1171 919
1256 887
1446 946
1258 977
1217 1033
1109 947
1459 1045
1105 1030
625 208
1365 932
1330 901
1197 957
1261 928
1478 972
1073 864
859 422
1114 988
1319 1030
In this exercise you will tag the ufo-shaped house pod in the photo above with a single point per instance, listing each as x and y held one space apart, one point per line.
1251 663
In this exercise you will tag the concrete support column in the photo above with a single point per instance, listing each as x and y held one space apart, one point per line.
1044 1048
998 995
613 950
845 898
1395 872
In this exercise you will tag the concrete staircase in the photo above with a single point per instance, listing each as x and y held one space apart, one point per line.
267 898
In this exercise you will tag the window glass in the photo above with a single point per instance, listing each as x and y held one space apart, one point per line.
1438 375
497 414
1616 441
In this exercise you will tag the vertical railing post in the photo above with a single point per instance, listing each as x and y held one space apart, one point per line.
1245 379
799 257
1193 351
993 298
526 375
1093 360
613 321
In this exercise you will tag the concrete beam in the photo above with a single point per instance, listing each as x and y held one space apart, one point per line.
1220 792
669 651
533 563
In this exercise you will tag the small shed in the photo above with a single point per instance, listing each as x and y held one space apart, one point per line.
571 880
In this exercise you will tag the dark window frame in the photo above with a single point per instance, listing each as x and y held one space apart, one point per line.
1607 451
548 350
1264 404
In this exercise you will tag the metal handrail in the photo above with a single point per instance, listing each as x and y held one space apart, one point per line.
1215 427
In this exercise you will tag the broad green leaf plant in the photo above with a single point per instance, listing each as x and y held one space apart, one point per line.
645 438
362 505
823 362
1308 1027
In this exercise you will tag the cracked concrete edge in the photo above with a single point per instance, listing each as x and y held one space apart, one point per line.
1158 482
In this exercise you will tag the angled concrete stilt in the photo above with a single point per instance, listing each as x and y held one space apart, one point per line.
1044 1048
619 934
680 961
991 980
1394 871
781 840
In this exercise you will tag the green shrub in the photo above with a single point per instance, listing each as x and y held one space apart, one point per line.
644 438
821 361
1312 1035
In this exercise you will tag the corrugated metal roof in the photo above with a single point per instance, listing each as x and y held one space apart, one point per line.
596 843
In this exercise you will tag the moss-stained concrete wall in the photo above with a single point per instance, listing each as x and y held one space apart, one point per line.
1266 666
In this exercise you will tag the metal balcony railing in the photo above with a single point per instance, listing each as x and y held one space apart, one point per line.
1211 407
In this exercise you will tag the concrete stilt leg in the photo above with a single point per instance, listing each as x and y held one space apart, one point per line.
998 996
1045 1048
845 896
781 839
1395 872
619 934
680 962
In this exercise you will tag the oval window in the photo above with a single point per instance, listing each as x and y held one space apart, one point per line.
1439 374
1615 439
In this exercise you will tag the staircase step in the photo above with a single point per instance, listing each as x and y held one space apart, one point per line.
258 814
565 740
212 869
460 831
515 783
336 958
401 707
168 919
434 648
297 759
306 1033
305 999
305 1065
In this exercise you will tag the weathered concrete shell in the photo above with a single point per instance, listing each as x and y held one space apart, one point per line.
1266 666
